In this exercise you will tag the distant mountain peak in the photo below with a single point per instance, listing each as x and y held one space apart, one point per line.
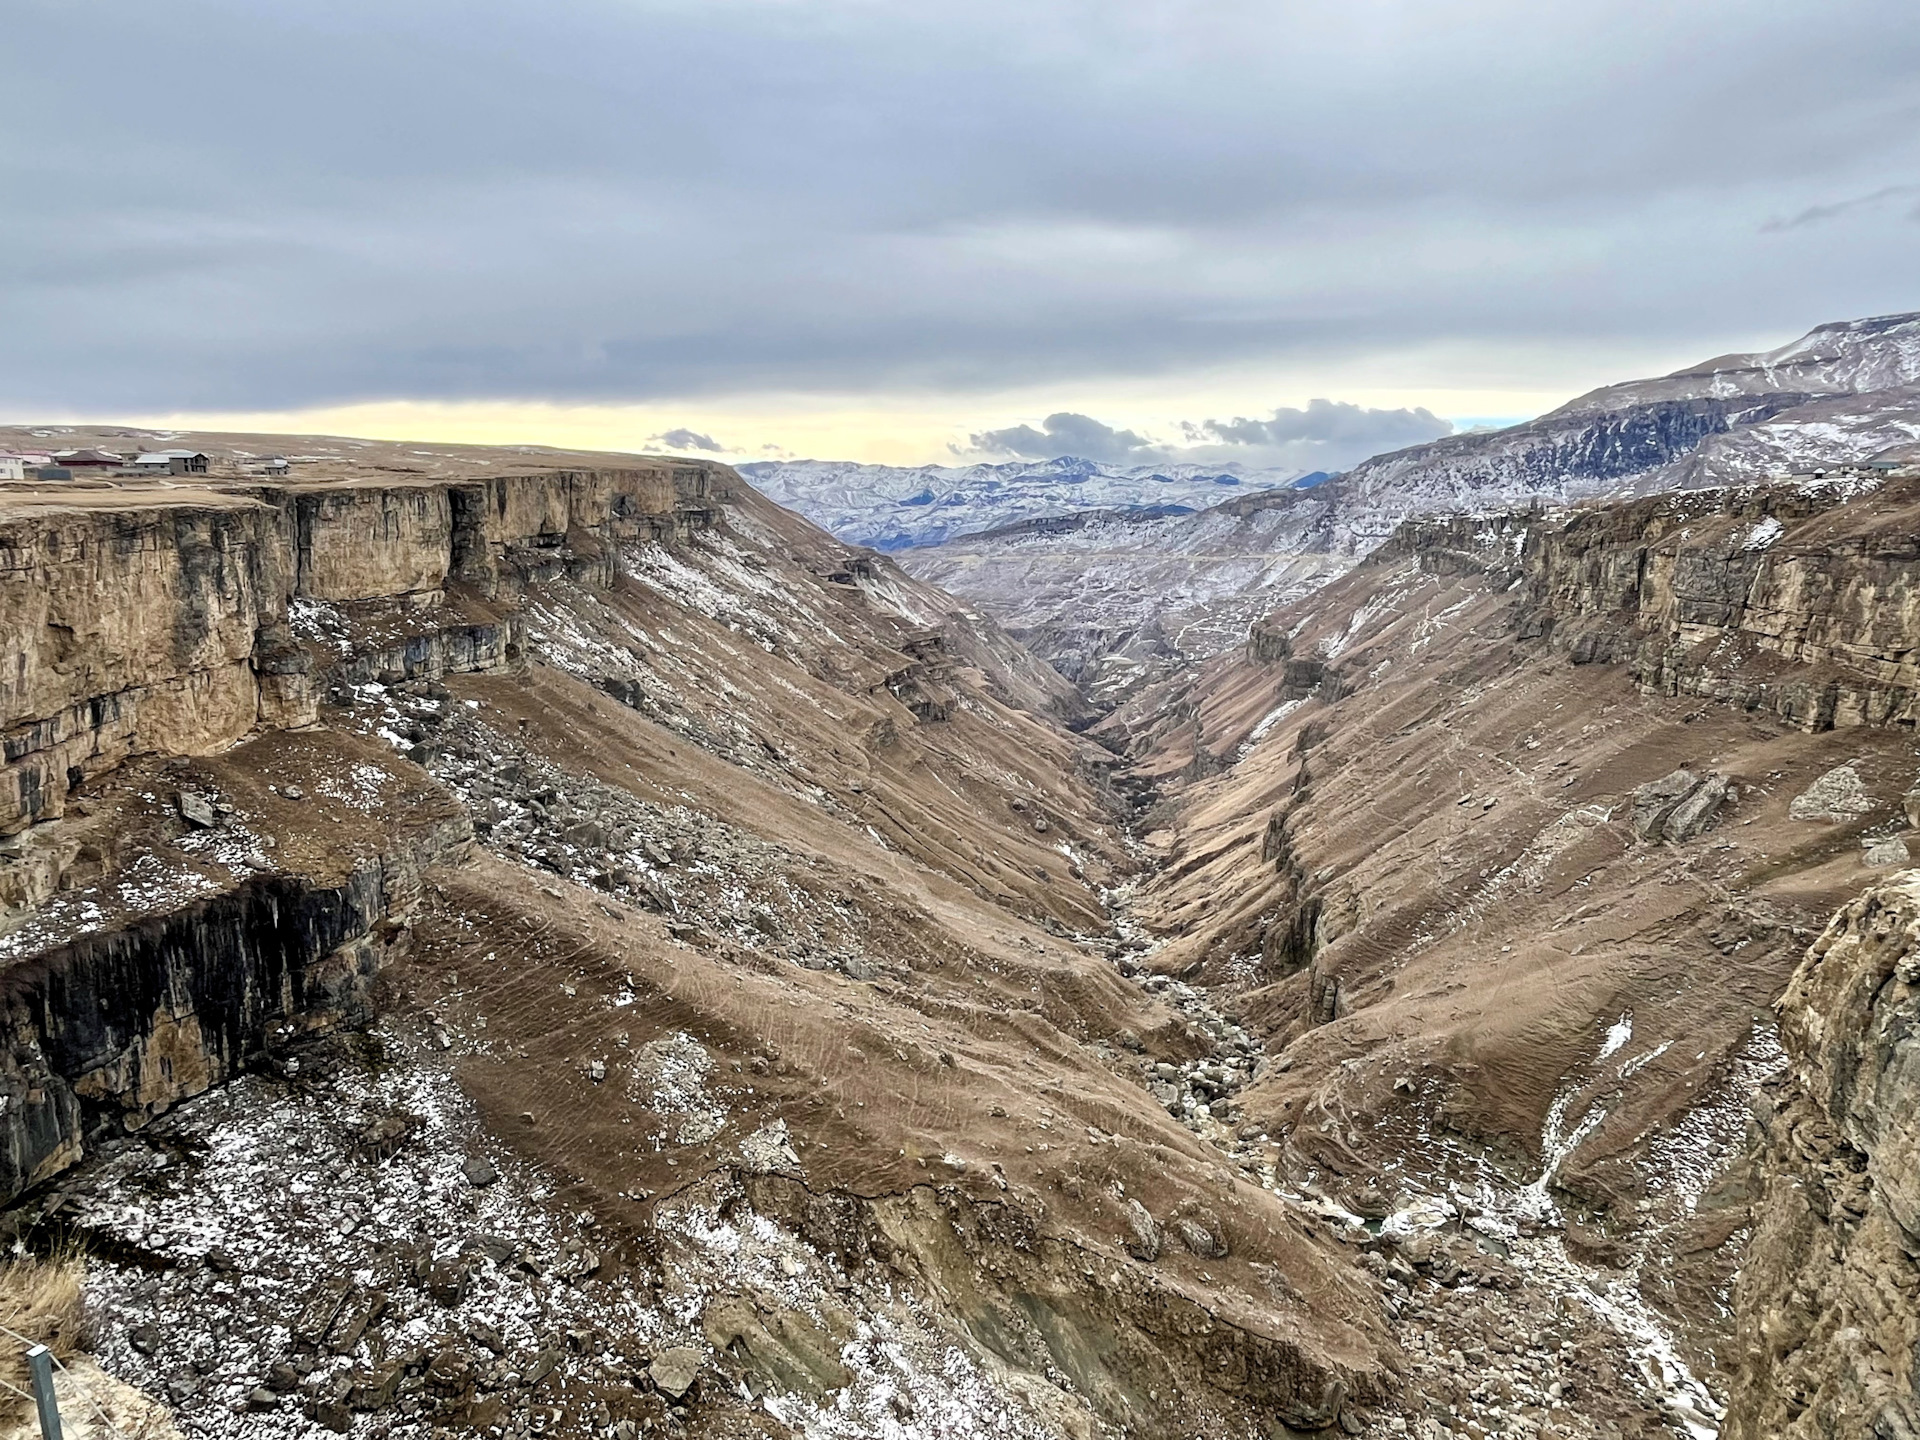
893 507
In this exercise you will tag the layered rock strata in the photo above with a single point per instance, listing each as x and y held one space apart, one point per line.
177 625
166 627
1829 1323
1798 601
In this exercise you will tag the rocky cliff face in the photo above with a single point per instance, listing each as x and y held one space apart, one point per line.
1802 602
170 628
146 633
593 954
1826 1303
1504 843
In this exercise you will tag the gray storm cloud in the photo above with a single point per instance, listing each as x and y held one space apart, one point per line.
685 439
1327 422
1326 435
1065 433
639 199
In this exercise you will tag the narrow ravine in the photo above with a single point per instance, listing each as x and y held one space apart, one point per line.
1505 1332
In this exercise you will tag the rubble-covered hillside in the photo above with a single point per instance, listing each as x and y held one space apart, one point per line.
496 944
1505 843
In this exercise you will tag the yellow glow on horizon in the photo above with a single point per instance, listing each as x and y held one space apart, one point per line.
910 428
1469 380
904 431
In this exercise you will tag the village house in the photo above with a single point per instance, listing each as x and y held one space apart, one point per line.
171 462
89 459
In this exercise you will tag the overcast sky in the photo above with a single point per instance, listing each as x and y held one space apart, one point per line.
840 226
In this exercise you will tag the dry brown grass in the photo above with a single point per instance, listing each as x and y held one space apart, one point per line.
40 1299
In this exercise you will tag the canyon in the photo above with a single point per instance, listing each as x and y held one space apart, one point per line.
522 942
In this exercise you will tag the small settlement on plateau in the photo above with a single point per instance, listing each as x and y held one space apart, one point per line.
89 462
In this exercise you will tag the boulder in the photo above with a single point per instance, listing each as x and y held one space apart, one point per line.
479 1171
1888 854
674 1370
196 809
447 1281
1699 809
1655 801
1839 794
1143 1235
1200 1229
1679 806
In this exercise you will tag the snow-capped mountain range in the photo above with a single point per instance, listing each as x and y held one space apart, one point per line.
1087 594
892 507
1842 393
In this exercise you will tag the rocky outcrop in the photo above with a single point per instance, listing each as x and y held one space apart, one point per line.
1679 806
1301 676
1840 794
158 627
161 627
1771 600
116 1026
1784 599
1826 1302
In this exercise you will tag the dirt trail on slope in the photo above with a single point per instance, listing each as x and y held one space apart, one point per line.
1410 841
724 1061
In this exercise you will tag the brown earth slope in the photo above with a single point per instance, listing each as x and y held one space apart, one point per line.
1422 837
573 949
525 943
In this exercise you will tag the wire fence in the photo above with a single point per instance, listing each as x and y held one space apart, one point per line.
92 1404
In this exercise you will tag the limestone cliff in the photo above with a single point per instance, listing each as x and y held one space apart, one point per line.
160 624
1828 1300
1798 601
153 627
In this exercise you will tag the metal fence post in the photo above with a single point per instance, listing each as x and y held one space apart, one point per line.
40 1364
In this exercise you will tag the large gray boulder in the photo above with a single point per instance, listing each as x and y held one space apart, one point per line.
1656 800
1679 806
1888 854
674 1370
1840 794
1699 809
1144 1236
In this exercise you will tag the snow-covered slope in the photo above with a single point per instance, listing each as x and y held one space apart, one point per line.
892 507
1114 599
1089 596
1843 357
1841 393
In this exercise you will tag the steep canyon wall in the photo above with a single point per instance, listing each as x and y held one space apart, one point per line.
163 627
1801 602
151 633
